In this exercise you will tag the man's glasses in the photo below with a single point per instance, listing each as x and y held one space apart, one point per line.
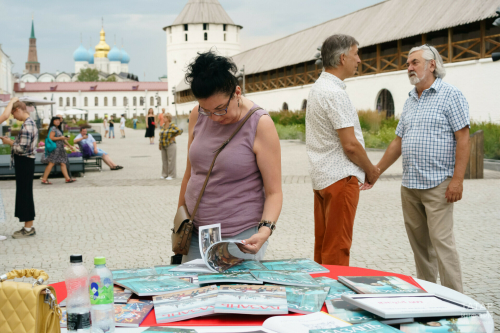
430 48
216 113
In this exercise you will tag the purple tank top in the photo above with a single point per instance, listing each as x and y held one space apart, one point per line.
234 196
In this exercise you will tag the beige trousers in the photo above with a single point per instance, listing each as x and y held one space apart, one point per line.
429 224
169 161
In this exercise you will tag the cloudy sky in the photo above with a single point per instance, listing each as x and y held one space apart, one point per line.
59 24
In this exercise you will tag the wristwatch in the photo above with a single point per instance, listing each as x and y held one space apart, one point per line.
269 224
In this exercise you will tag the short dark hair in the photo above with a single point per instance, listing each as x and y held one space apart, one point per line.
333 47
82 128
211 74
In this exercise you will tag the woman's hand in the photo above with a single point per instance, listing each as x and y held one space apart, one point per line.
254 243
6 140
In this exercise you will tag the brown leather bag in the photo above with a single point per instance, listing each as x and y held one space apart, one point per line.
183 222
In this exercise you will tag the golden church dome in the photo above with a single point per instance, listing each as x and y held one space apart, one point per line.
102 49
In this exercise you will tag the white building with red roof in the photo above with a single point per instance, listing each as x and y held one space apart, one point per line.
99 98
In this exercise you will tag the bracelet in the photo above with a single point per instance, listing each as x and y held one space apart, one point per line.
269 224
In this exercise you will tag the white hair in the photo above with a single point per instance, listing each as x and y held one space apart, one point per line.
430 53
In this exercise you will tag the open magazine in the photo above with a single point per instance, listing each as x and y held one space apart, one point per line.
218 255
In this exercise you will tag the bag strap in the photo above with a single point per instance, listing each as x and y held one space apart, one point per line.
39 275
217 152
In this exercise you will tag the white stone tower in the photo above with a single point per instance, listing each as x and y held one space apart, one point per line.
202 25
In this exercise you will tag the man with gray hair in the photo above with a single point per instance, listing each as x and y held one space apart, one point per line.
433 137
337 157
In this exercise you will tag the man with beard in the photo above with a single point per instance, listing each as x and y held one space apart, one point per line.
433 137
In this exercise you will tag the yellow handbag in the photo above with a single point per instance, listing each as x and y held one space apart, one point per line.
26 307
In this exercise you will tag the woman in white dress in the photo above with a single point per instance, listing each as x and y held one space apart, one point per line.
106 126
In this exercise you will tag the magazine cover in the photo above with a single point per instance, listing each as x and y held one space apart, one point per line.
133 313
301 265
466 324
183 305
152 285
128 273
336 288
233 277
289 278
169 330
63 321
379 285
246 266
251 299
164 269
306 300
371 326
348 312
208 235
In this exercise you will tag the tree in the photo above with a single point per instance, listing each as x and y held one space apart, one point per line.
109 79
88 75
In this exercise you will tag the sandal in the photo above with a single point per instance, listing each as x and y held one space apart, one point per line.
70 181
46 182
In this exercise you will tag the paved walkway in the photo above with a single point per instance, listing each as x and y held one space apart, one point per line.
126 216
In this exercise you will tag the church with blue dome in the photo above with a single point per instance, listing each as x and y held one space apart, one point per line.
103 58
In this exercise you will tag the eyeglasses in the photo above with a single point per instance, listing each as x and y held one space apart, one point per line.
216 113
430 48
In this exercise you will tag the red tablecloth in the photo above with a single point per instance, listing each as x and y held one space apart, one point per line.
249 320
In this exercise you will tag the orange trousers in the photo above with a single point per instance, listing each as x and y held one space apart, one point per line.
334 212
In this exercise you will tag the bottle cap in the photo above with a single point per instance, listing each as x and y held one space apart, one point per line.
99 261
75 258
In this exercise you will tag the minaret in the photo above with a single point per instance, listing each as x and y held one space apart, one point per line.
32 66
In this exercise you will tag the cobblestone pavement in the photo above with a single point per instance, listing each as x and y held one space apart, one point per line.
126 216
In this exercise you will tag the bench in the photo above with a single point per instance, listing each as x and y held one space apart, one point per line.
76 164
91 162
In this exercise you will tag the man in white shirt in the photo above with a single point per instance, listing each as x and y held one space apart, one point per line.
87 139
337 157
122 126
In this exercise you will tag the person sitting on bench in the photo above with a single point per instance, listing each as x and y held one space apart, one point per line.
87 139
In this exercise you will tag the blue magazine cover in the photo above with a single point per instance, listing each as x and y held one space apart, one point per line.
378 285
466 324
371 326
184 305
232 277
305 300
337 289
152 285
251 299
299 265
133 272
246 266
289 278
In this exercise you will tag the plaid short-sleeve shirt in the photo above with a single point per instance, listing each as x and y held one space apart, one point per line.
427 128
26 141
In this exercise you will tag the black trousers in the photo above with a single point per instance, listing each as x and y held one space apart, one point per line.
25 205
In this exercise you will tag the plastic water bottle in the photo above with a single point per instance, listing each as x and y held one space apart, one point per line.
101 297
78 301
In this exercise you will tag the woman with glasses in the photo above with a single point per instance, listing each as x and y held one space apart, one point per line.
244 190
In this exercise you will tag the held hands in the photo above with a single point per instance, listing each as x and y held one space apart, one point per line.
371 178
254 243
454 190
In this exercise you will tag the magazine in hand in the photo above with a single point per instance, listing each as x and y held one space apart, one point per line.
154 285
232 277
298 265
133 313
354 315
337 289
379 285
251 299
288 278
371 326
133 272
305 300
467 324
208 235
303 324
183 305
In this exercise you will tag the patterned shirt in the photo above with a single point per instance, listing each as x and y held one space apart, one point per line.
167 136
26 141
427 128
329 109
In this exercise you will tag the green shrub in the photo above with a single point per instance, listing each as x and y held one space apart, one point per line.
288 117
291 132
97 121
491 137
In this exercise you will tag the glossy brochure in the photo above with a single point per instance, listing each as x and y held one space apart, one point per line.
251 299
133 272
288 278
299 265
231 277
379 285
154 285
305 300
208 235
337 289
467 324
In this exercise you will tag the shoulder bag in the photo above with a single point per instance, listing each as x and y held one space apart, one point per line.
183 222
50 145
26 307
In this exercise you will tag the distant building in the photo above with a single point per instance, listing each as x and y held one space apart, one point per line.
202 25
6 77
279 74
100 98
32 65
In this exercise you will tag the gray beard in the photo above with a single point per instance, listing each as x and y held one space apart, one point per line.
414 80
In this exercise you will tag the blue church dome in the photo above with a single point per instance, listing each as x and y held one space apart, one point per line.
91 56
125 57
81 54
115 54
